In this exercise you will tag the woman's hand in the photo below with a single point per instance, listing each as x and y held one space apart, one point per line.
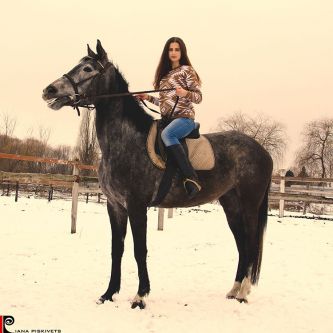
181 92
141 96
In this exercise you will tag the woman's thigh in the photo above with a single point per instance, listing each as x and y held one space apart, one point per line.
177 129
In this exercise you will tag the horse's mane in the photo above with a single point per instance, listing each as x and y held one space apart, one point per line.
132 109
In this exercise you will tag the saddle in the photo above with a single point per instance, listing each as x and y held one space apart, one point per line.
200 151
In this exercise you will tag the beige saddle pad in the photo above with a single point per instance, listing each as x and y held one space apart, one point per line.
200 151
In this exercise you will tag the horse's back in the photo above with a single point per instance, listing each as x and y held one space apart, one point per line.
242 159
235 146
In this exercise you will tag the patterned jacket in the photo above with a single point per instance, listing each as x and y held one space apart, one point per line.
185 77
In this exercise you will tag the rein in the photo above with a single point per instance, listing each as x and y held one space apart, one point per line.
137 93
79 96
132 93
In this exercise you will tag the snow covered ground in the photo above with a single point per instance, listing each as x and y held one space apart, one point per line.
51 279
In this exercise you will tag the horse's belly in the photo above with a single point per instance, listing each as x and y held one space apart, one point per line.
177 196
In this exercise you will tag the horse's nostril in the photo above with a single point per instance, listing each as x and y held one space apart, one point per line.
51 89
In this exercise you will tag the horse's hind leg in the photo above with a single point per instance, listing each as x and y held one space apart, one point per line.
233 210
254 215
118 221
247 217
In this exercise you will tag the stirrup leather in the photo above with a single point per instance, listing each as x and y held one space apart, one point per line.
192 181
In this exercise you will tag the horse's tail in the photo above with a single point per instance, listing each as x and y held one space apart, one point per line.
262 223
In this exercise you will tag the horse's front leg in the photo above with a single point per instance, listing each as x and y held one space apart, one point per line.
118 220
138 219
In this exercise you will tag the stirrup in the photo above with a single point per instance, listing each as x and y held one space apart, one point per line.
192 181
195 190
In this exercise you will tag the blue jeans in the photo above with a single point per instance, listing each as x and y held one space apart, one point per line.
177 129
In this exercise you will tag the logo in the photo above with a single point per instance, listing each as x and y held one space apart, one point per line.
9 320
6 321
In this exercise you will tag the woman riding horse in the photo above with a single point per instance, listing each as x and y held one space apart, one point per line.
240 179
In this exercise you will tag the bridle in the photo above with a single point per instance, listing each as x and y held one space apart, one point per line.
79 97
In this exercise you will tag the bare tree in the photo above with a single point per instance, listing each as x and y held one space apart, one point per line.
8 144
269 133
7 127
316 153
61 152
87 148
31 146
36 147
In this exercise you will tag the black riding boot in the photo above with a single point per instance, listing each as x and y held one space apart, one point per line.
191 184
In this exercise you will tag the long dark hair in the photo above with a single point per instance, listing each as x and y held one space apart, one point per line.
164 65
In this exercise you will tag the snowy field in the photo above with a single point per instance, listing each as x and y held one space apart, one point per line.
51 279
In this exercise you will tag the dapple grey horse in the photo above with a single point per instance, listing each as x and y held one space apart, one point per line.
240 179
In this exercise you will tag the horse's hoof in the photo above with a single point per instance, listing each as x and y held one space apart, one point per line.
230 297
138 301
140 304
102 300
242 300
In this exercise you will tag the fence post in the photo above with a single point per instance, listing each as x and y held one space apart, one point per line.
170 213
16 191
306 204
160 218
50 193
75 198
282 190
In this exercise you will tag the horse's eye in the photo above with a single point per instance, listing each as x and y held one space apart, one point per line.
87 69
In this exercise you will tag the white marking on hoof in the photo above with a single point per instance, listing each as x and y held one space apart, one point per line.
234 291
244 290
100 301
138 301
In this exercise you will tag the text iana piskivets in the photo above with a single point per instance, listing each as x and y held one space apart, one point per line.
38 331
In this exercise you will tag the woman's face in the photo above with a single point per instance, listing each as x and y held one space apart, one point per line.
174 53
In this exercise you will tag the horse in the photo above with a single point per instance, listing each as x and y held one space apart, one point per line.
239 180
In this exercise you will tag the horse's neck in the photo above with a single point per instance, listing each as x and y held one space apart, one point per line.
119 126
120 122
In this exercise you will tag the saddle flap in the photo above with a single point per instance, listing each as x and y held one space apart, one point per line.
201 154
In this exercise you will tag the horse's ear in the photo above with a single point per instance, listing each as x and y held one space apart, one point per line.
100 51
91 53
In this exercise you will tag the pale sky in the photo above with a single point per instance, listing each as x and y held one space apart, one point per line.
257 56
